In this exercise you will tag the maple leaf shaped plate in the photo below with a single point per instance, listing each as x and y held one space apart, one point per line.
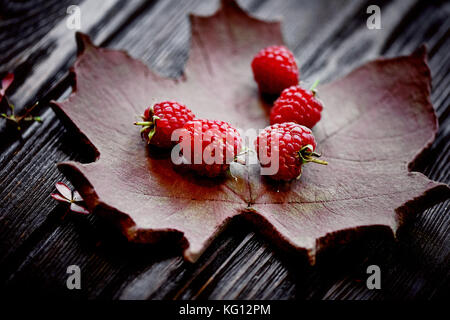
376 123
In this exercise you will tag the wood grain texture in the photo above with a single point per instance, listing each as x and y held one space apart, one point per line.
327 37
32 20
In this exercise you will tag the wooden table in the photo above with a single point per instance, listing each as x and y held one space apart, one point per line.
38 241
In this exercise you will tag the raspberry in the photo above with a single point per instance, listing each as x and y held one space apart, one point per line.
161 120
274 69
212 144
296 105
296 145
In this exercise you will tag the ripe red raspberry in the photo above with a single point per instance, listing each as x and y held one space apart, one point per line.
296 105
295 146
274 69
161 120
209 146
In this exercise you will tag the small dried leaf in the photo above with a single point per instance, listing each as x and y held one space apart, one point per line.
78 209
64 190
76 196
59 197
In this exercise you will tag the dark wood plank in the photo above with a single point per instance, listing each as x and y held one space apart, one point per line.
240 264
32 20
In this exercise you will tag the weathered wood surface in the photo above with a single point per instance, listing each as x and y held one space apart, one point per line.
328 37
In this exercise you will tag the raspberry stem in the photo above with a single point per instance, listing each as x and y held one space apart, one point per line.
144 123
308 155
148 125
313 87
18 119
244 151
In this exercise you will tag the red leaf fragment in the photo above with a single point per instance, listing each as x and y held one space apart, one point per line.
376 123
64 190
6 82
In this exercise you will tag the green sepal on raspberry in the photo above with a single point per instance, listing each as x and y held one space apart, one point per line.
148 126
307 155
